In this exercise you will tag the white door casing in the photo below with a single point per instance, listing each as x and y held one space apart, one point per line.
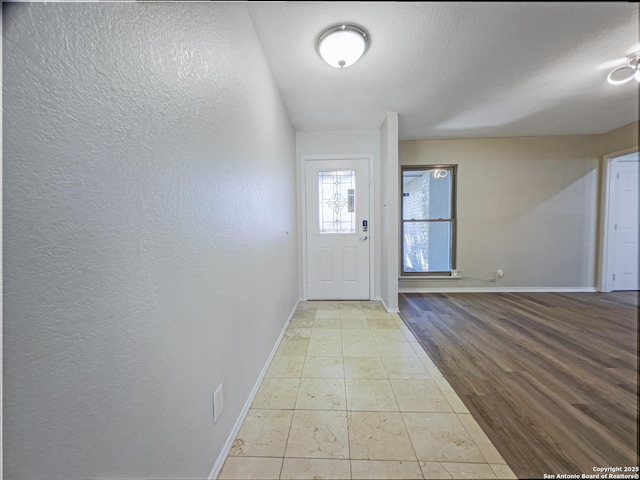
625 232
337 262
612 221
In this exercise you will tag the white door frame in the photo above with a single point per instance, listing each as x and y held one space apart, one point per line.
373 228
605 252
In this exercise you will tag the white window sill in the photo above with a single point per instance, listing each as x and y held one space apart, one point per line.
425 277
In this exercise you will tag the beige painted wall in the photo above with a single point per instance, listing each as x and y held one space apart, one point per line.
526 205
618 140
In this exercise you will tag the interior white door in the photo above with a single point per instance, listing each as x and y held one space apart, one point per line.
626 226
337 229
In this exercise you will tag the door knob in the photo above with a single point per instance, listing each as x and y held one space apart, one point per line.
363 238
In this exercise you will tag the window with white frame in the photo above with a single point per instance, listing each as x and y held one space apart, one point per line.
428 220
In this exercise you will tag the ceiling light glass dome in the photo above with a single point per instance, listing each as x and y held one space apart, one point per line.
342 45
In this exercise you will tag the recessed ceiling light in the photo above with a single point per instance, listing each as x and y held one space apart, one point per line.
342 45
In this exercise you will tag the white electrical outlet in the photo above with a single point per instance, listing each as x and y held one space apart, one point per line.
218 403
499 273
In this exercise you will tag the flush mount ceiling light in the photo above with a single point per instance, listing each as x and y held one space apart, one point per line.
342 45
625 73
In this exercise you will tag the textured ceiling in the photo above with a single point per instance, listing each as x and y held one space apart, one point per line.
457 69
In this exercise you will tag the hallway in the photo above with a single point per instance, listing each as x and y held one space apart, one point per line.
351 394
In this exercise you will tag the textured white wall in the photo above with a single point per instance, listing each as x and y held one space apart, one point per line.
150 234
389 206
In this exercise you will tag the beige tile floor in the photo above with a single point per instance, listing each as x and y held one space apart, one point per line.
350 394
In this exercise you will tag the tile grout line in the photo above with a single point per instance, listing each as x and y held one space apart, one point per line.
293 412
346 403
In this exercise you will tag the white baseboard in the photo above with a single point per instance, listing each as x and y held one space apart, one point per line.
217 467
389 310
497 290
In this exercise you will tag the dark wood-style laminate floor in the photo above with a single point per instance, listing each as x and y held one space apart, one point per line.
552 378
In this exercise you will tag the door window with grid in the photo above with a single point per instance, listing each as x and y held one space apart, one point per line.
428 220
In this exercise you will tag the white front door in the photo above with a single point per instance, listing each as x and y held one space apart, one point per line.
625 211
337 229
